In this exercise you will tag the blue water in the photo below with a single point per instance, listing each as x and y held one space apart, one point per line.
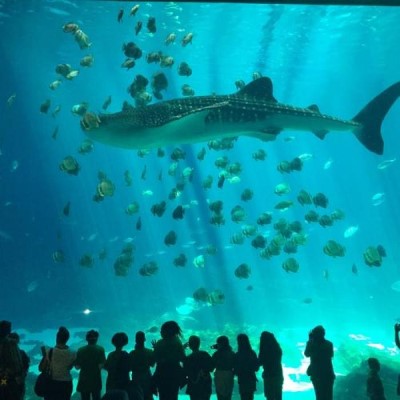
336 57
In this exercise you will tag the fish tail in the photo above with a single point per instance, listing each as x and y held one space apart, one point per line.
371 117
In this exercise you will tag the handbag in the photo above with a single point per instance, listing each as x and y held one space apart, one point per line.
43 384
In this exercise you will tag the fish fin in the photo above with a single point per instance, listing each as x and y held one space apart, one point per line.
314 107
266 135
371 117
321 133
260 89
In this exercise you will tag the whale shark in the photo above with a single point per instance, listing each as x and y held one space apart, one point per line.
252 111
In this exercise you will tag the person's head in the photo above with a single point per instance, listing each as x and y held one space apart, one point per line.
92 336
170 329
243 342
5 329
140 338
62 335
269 345
318 333
119 340
14 336
374 364
222 343
194 343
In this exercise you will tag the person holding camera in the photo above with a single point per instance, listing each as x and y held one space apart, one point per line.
223 359
320 369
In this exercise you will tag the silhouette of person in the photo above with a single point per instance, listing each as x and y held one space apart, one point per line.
11 365
270 357
320 369
198 365
397 341
223 361
25 361
117 364
62 361
169 354
245 367
396 335
90 360
375 389
141 360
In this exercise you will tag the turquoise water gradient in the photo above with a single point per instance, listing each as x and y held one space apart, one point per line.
336 57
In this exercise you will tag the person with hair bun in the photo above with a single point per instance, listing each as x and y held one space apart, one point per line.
61 359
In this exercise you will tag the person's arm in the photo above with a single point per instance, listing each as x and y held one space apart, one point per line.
396 335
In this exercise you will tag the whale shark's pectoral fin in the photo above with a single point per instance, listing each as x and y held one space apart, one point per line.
266 135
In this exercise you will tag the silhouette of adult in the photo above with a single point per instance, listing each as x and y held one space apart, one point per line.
223 360
169 353
90 360
24 359
141 360
198 365
11 365
245 367
270 357
62 361
117 364
396 335
375 389
320 370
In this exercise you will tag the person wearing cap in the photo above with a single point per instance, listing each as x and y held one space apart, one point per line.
320 370
223 360
90 360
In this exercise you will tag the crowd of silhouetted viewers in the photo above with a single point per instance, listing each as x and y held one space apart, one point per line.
176 365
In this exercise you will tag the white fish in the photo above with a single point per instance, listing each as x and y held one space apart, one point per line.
92 237
386 163
5 235
378 198
14 165
147 192
305 156
129 240
328 164
350 231
32 286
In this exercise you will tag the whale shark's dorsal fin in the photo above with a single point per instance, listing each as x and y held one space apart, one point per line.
260 89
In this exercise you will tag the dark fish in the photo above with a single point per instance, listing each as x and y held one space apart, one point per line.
66 209
139 224
144 173
221 181
178 213
170 238
151 25
55 133
153 329
354 269
44 107
106 103
138 27
120 15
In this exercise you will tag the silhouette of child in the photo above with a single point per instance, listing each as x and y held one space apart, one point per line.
375 389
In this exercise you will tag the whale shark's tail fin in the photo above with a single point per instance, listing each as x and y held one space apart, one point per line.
371 117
